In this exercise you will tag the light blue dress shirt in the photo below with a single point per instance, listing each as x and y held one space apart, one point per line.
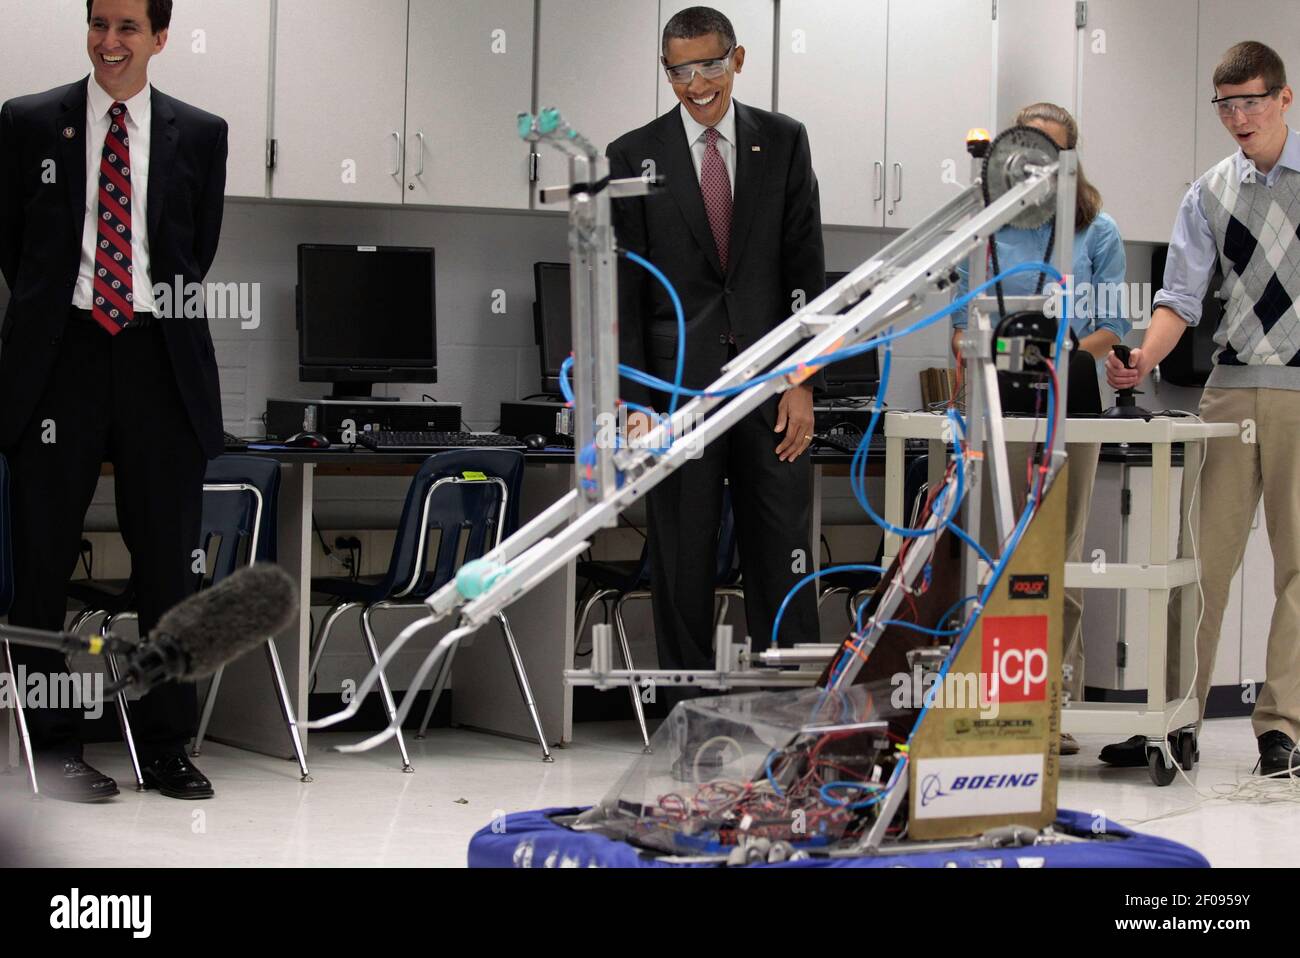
1098 259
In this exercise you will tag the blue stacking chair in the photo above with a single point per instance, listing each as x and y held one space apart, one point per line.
464 493
240 496
623 581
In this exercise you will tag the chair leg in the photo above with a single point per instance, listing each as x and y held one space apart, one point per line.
389 705
855 601
827 593
123 713
627 663
439 683
24 736
327 626
124 719
82 617
600 595
209 701
521 676
286 708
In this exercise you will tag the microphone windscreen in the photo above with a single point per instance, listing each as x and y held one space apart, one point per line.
218 625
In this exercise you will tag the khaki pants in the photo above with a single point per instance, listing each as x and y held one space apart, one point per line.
1234 477
1082 478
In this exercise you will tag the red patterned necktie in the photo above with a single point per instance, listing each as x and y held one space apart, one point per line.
715 184
113 298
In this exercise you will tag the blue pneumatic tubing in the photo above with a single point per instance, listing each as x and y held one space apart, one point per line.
857 567
653 382
681 324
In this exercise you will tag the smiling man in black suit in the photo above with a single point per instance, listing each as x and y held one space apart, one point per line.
106 186
740 238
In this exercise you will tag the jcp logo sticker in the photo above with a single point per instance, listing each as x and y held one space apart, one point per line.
1015 658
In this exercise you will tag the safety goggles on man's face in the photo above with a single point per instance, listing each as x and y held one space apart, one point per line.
710 69
1251 104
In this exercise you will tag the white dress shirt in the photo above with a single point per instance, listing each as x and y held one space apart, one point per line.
139 111
726 141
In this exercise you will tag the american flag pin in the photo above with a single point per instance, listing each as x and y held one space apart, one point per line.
69 132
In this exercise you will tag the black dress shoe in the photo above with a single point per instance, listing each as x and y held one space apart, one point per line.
1278 755
176 777
69 779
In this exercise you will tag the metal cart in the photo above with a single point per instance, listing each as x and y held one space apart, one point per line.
1158 578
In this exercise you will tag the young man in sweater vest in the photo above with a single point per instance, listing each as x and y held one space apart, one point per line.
1245 211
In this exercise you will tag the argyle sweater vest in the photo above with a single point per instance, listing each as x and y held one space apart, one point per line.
1255 228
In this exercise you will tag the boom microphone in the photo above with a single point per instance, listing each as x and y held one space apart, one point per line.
199 635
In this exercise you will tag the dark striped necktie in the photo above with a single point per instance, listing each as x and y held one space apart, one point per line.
114 300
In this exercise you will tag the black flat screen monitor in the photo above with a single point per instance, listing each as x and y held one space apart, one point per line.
552 321
858 376
366 315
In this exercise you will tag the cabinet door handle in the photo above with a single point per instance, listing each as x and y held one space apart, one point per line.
397 159
898 183
419 135
878 193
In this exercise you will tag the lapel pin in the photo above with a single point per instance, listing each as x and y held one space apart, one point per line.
756 149
69 132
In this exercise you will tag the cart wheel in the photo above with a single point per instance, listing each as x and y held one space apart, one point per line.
1161 773
1187 750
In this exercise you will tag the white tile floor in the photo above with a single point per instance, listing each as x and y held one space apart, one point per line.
361 809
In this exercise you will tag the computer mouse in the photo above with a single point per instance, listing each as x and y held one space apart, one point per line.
307 440
536 441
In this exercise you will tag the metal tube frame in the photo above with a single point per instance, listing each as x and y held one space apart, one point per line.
919 261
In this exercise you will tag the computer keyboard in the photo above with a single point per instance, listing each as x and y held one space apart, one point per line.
432 441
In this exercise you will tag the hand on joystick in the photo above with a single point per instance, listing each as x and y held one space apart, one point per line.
1126 406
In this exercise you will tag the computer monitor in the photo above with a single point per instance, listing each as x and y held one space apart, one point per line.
366 315
552 321
857 376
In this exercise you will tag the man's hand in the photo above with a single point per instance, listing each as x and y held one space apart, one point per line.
1121 377
794 417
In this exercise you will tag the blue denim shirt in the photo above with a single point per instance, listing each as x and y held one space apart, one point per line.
1098 259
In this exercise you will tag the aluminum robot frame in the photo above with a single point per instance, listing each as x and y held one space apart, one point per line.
875 296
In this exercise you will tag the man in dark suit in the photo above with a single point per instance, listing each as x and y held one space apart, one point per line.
106 186
739 236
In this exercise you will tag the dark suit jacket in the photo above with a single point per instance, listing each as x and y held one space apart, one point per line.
40 241
775 248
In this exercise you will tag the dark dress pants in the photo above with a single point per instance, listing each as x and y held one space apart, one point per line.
109 399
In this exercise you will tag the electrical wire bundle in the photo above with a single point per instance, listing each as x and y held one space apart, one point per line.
821 788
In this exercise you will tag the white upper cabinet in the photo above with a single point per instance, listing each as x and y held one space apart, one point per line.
832 77
1129 76
469 73
1037 42
1137 121
598 63
340 100
218 58
940 86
